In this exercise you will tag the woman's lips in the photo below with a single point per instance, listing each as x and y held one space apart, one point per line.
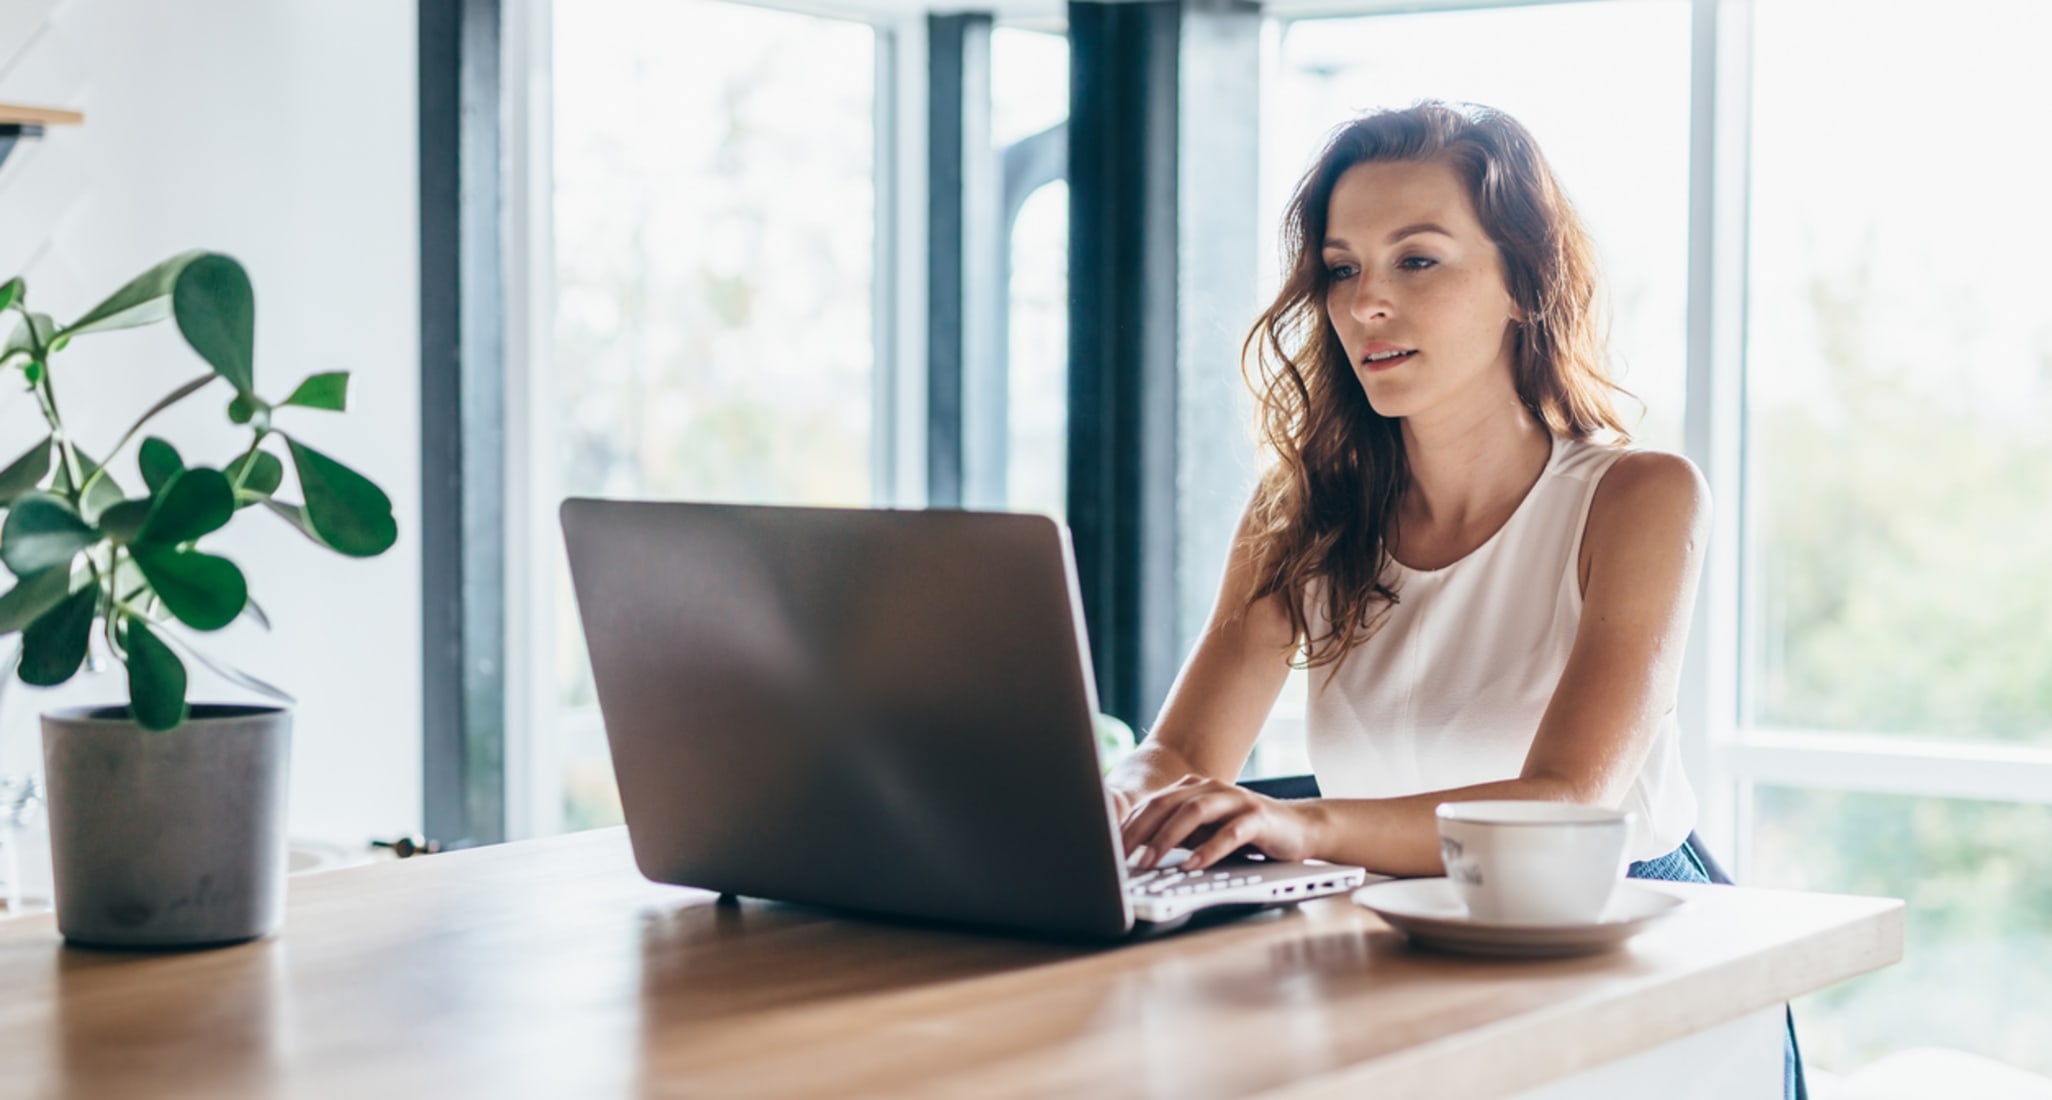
1373 365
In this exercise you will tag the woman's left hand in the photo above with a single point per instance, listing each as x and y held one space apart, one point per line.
1233 816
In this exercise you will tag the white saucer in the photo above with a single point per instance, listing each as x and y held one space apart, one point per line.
1429 912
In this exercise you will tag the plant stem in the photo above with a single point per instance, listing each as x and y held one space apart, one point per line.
66 453
46 396
139 614
242 474
114 645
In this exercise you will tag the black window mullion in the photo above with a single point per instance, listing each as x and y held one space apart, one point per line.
1122 343
462 441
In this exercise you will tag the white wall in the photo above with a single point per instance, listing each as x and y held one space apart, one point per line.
282 133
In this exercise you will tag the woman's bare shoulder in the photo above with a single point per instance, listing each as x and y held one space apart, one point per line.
1659 472
1648 493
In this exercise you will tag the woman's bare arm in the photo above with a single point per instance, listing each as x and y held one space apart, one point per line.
1222 696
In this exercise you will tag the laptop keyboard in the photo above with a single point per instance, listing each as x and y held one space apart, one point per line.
1168 892
1162 882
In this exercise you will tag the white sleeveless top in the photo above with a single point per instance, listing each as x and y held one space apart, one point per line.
1450 690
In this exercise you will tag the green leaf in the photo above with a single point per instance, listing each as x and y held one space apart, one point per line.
11 292
160 463
33 372
156 678
194 503
24 473
343 509
31 596
42 532
216 311
247 407
146 298
33 333
266 473
322 391
204 592
54 645
124 521
296 516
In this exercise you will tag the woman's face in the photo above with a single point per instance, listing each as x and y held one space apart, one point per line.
1412 273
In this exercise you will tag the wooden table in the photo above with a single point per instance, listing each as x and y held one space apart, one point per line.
551 968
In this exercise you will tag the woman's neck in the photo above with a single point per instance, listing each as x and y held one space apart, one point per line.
1471 466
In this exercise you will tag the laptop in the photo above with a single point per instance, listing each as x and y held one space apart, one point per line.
881 711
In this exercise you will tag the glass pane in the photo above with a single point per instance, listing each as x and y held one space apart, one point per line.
1977 957
1029 83
1622 158
714 238
1899 374
1029 97
1037 405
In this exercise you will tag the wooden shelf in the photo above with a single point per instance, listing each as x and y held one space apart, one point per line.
18 122
15 114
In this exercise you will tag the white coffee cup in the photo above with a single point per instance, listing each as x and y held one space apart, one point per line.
1533 862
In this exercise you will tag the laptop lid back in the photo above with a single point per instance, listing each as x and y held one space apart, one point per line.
879 710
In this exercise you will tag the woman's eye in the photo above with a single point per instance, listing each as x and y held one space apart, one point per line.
1417 263
1341 272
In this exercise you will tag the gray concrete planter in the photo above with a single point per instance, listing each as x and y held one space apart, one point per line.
167 839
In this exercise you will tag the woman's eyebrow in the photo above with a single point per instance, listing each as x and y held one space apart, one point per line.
1414 230
1406 231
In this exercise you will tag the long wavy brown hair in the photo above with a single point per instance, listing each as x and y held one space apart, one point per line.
1336 471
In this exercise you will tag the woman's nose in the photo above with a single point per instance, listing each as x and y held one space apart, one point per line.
1371 300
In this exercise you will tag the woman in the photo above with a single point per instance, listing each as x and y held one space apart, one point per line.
1492 593
1492 598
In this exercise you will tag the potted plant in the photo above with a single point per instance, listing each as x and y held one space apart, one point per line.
167 819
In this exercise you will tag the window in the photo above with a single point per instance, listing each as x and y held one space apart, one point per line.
1038 395
1896 605
714 228
1029 110
1900 378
